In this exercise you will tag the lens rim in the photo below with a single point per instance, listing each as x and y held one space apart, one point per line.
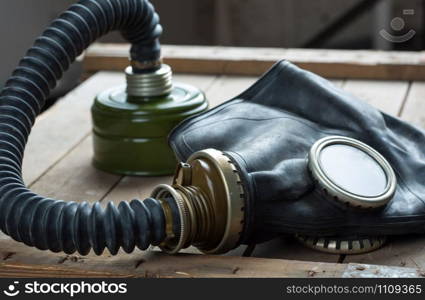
337 192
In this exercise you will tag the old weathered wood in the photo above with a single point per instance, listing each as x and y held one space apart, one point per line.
388 96
74 178
63 127
18 260
21 261
373 271
65 130
58 164
415 105
290 248
255 61
228 87
403 251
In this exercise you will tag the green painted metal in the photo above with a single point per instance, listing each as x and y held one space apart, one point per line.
130 133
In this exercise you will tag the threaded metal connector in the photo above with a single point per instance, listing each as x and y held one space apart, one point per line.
210 200
150 84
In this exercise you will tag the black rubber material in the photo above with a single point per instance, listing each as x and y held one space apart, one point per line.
53 224
269 130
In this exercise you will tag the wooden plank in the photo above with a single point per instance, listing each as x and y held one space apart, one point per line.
338 82
388 96
374 271
228 87
402 251
203 82
21 261
414 109
18 260
135 187
360 64
63 127
289 248
74 178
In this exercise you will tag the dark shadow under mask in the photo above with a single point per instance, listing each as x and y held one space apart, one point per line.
268 131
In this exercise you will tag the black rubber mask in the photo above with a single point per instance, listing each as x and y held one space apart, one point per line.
271 132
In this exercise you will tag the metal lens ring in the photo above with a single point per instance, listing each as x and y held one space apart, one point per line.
352 172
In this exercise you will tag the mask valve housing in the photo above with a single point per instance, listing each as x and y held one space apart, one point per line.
210 200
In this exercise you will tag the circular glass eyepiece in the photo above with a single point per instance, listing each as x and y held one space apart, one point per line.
352 172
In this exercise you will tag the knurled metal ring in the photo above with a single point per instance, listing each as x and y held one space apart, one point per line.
343 195
161 192
235 198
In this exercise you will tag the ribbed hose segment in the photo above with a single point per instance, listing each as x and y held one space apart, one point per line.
54 224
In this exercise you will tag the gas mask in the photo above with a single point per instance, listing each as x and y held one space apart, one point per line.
312 161
292 155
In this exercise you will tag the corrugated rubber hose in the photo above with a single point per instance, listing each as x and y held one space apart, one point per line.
54 224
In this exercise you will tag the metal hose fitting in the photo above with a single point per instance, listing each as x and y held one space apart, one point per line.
210 198
149 84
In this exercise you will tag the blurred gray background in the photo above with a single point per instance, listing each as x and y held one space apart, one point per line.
341 24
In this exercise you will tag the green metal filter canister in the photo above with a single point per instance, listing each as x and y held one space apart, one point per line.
131 123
